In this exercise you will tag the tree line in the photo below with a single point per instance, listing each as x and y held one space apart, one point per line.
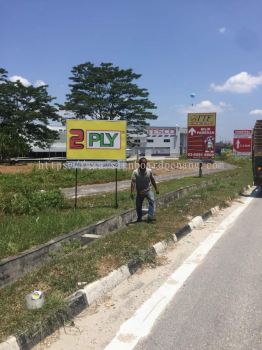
103 92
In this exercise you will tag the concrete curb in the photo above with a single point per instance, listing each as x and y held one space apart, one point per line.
97 289
84 297
9 344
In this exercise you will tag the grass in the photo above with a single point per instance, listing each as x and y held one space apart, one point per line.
19 233
49 179
59 278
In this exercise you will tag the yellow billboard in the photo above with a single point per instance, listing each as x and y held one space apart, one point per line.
201 119
96 139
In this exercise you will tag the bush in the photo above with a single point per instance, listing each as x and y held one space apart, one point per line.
15 203
46 199
30 203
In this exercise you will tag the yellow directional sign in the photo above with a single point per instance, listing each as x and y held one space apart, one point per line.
96 139
201 119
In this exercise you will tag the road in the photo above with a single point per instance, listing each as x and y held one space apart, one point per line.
88 190
220 305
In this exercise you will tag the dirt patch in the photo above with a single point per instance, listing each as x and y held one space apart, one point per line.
24 168
18 168
171 171
107 264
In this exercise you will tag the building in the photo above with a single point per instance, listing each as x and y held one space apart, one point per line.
161 141
157 141
57 149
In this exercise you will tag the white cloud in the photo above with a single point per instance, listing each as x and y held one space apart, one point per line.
222 30
205 106
241 83
256 112
39 83
66 114
25 81
22 80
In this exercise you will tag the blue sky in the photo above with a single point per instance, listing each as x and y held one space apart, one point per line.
209 47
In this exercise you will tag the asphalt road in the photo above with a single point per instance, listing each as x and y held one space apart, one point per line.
220 305
88 190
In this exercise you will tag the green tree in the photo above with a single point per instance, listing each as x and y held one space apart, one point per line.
106 92
25 112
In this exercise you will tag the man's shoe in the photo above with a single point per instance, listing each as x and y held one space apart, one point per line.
138 220
150 220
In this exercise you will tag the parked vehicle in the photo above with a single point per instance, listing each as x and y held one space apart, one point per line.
257 153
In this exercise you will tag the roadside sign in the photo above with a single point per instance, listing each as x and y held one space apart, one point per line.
201 135
242 142
96 139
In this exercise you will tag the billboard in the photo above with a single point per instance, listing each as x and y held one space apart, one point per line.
201 135
95 139
242 142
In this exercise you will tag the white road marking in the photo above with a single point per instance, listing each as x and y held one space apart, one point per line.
140 324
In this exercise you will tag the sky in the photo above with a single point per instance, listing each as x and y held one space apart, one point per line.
212 48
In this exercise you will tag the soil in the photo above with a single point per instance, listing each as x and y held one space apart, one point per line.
26 167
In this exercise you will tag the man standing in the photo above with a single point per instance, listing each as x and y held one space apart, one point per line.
142 180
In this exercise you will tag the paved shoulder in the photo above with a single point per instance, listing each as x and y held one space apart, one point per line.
220 306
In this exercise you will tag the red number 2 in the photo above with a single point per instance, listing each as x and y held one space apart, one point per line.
78 136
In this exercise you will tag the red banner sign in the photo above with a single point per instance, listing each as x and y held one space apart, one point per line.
201 135
242 145
242 142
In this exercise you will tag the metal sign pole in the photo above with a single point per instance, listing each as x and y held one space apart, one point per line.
76 189
116 199
200 169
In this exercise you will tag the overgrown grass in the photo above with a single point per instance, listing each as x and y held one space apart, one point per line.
20 232
52 179
60 277
30 193
49 179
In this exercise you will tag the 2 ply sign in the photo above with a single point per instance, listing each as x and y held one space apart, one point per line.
104 139
96 140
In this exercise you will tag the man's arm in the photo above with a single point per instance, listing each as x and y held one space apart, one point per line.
133 186
154 183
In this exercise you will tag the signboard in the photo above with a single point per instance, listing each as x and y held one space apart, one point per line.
201 135
161 131
242 142
96 139
96 164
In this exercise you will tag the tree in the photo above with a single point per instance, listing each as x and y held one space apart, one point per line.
106 92
25 112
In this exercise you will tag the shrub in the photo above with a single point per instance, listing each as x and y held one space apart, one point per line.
30 203
46 199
